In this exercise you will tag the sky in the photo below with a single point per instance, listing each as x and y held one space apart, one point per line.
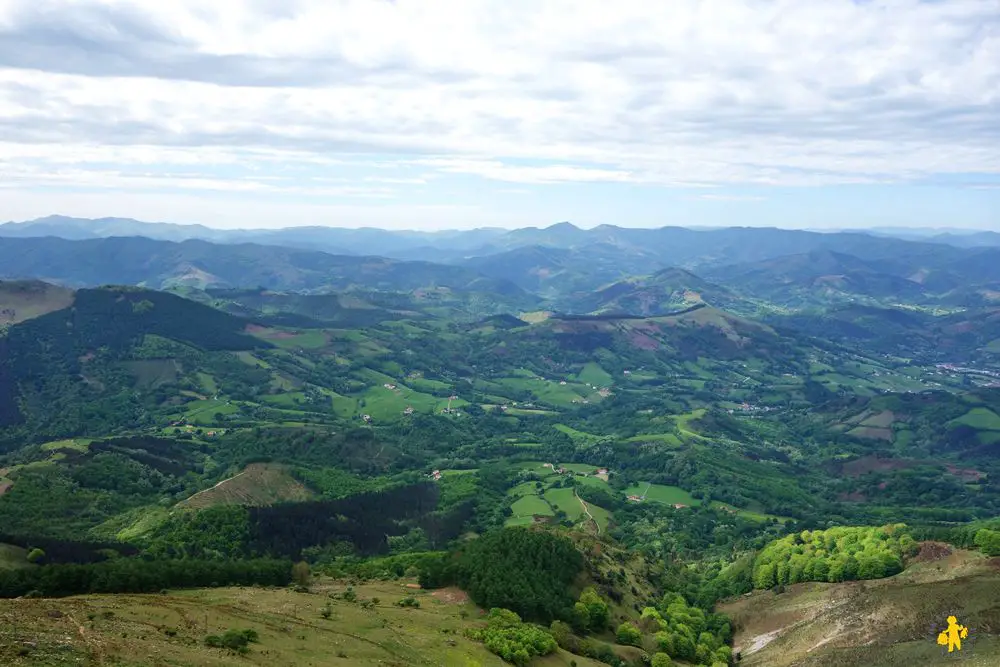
431 114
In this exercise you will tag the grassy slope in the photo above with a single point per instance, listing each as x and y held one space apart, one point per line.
259 484
24 300
885 622
292 632
12 557
982 419
660 493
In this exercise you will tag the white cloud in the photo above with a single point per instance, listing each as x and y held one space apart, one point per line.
740 198
118 94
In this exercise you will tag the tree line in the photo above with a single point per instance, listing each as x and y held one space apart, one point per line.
137 575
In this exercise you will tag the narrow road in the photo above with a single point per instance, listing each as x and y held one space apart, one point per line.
586 510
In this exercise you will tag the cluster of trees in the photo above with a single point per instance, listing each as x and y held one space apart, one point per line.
530 572
988 541
363 520
835 554
507 636
48 502
137 575
964 536
54 550
687 633
693 549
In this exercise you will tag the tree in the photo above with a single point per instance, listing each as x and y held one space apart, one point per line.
764 576
629 635
36 555
988 541
580 618
301 573
597 609
661 660
562 633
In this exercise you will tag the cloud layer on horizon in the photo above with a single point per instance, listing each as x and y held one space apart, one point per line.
370 100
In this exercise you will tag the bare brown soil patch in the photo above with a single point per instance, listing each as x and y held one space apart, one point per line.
932 551
5 485
642 341
867 464
451 595
883 419
871 433
268 333
966 474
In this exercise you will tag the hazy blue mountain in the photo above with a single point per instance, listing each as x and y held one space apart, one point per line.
85 228
195 263
563 260
969 240
337 240
670 246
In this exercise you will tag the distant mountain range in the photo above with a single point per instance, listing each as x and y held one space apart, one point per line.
200 264
604 269
674 245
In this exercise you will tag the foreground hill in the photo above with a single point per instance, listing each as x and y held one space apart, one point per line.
887 622
170 629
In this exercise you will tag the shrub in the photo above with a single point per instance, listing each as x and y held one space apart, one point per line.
629 635
988 541
301 574
661 660
513 640
233 640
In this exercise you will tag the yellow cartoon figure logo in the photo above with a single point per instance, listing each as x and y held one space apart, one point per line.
953 636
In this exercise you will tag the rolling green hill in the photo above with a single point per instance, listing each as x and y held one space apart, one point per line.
662 293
